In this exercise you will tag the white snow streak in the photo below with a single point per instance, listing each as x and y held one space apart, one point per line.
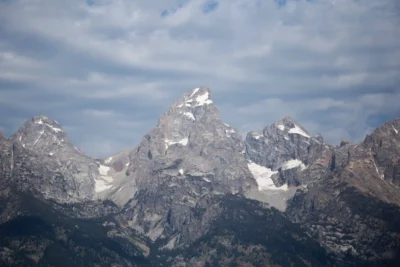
203 100
297 130
377 171
395 130
293 164
207 180
40 135
263 177
194 92
53 128
183 142
181 171
39 122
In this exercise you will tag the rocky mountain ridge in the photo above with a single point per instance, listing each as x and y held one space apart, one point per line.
172 191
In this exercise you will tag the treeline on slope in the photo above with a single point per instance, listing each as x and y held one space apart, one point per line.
41 236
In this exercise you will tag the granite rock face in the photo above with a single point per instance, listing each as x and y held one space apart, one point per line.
353 211
289 156
384 145
189 155
45 162
185 196
286 147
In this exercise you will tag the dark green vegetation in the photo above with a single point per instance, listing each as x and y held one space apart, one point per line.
42 236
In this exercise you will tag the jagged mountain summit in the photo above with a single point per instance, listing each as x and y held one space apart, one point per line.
56 168
194 193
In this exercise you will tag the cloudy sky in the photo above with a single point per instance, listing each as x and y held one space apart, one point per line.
107 69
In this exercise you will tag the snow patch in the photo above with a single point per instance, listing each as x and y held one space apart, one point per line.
256 135
203 100
297 130
207 180
39 122
103 170
101 185
229 132
382 176
181 171
51 154
263 177
171 244
395 130
108 161
127 164
281 127
227 125
104 182
55 129
293 163
189 115
183 142
194 92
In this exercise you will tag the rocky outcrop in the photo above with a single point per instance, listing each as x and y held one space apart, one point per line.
290 157
190 154
384 144
285 146
45 162
352 210
249 234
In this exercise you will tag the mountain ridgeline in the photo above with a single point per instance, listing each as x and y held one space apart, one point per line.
195 193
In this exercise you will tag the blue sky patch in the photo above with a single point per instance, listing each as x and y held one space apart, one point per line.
210 6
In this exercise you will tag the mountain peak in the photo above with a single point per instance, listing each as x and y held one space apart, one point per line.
288 124
196 97
40 131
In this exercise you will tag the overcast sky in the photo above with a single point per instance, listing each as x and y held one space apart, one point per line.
107 69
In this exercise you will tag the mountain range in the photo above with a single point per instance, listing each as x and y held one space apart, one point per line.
195 193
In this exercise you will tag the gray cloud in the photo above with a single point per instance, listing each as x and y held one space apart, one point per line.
107 69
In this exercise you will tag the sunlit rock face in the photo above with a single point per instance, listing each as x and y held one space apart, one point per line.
191 153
